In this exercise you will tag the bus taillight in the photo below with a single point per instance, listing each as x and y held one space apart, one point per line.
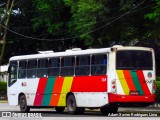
113 86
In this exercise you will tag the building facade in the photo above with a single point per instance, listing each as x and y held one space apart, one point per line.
3 73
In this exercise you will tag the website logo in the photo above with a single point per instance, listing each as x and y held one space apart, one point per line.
6 114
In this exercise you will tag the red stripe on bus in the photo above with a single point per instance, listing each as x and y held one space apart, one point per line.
129 80
40 91
143 82
116 98
56 91
89 84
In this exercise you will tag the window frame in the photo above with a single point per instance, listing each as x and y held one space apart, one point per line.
134 66
33 68
42 69
106 64
72 65
53 67
84 65
10 82
26 63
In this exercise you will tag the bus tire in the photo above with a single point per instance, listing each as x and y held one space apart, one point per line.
72 106
23 104
59 109
109 109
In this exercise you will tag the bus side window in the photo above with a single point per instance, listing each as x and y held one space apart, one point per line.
42 68
31 68
82 65
12 73
22 69
54 67
99 64
67 66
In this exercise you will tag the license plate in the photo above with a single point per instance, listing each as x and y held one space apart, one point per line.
134 92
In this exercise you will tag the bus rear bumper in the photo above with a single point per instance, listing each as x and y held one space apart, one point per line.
114 98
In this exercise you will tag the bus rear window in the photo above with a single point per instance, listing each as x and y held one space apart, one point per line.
134 60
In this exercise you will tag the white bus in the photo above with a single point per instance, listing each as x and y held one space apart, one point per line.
103 78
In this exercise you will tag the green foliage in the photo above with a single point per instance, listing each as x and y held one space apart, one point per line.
84 15
155 15
90 20
49 14
89 23
126 4
3 87
158 91
158 79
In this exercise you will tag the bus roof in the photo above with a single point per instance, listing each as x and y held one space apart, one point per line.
73 52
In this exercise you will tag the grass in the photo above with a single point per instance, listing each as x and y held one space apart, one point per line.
3 101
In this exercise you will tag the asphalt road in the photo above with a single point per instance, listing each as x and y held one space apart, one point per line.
50 113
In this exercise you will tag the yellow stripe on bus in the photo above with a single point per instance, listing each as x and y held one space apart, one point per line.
123 82
65 89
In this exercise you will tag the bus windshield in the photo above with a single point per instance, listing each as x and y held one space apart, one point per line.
134 60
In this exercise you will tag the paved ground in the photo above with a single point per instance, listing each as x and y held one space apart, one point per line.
123 113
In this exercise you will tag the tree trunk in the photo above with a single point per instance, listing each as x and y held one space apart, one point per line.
7 16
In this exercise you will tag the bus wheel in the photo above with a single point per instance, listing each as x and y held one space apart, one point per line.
59 109
23 104
72 106
109 109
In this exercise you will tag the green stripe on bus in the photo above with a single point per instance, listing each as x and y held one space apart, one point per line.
136 81
48 91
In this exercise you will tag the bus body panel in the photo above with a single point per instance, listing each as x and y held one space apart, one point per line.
116 86
54 93
111 70
91 99
23 86
134 82
13 99
89 84
135 85
13 94
132 100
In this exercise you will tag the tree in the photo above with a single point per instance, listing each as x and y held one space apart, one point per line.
50 21
76 23
156 12
84 16
106 22
155 17
6 17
